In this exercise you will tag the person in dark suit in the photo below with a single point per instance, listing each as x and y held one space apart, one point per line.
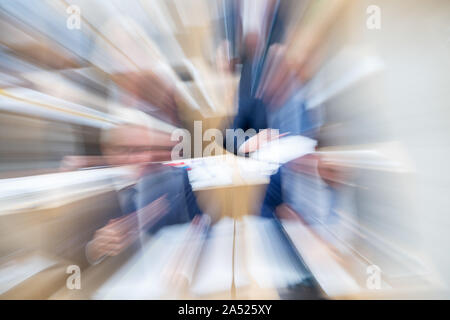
260 52
161 196
172 185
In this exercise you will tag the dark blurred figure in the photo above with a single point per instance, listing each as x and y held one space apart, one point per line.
258 46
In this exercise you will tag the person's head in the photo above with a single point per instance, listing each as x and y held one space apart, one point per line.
134 144
137 71
154 88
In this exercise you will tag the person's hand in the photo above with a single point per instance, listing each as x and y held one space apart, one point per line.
113 238
286 213
306 164
333 173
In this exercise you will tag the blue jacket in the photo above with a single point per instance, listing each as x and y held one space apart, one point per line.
174 183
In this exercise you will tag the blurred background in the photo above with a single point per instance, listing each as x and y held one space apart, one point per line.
344 195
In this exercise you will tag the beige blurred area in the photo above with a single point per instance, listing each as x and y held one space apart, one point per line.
159 66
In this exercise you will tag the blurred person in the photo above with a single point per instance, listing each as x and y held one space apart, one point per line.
151 93
162 195
318 190
141 77
263 62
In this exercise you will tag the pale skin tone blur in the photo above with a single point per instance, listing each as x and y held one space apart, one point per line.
136 145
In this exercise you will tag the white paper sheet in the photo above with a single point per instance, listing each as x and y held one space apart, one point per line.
285 149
